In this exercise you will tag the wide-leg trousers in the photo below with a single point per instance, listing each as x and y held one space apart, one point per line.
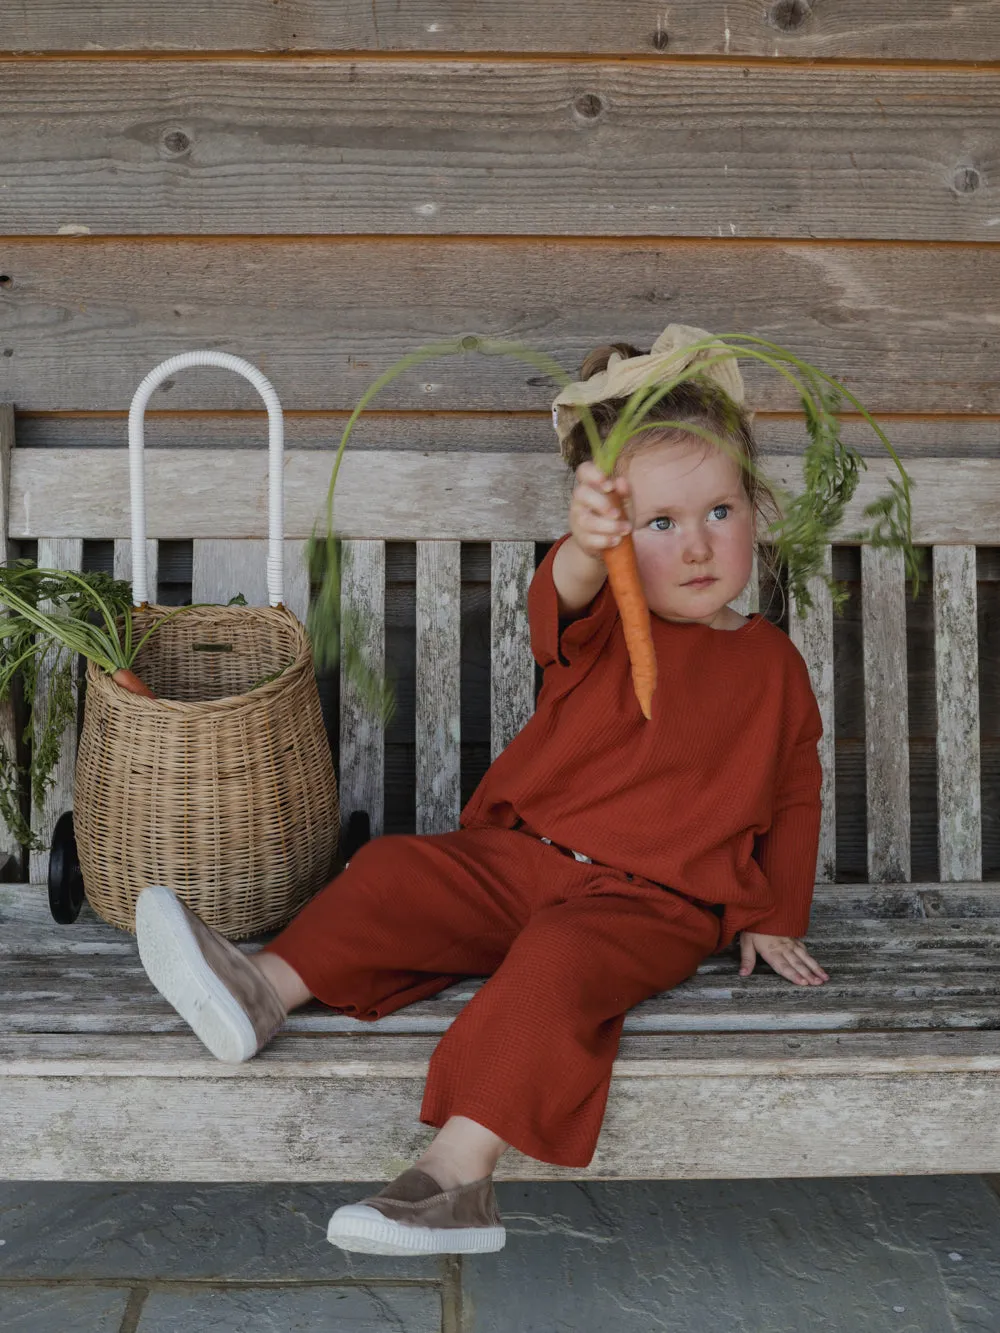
568 947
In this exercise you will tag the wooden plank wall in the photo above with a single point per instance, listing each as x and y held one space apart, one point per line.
321 187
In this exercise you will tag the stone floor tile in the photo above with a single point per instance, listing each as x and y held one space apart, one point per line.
827 1256
51 1229
291 1309
62 1309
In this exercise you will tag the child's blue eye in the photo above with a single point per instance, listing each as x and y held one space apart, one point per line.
663 524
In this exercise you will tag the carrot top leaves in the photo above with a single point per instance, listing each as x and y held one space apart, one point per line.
831 473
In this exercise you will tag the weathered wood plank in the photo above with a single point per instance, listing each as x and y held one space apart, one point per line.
960 832
310 1056
812 634
123 564
900 29
940 436
439 652
84 323
210 1127
54 553
9 846
260 146
223 569
405 496
512 667
887 746
361 777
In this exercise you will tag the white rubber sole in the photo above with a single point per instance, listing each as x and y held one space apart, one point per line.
175 965
364 1230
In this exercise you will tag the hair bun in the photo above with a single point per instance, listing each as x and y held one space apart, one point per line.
597 361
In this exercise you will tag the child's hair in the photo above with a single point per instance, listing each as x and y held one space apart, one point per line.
696 401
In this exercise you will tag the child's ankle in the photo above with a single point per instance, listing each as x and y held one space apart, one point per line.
288 985
450 1172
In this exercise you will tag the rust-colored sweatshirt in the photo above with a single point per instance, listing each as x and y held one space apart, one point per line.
717 796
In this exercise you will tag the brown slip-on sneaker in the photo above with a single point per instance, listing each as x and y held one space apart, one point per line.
414 1215
214 987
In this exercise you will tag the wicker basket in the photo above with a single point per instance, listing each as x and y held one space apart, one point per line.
223 786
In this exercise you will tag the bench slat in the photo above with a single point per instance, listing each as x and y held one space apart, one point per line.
8 732
956 656
221 569
438 686
804 1124
123 564
813 636
887 745
54 553
361 779
512 667
294 1055
412 495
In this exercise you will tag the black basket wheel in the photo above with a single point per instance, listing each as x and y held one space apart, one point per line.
65 876
356 834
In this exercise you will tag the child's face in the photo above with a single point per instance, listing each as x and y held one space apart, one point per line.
693 531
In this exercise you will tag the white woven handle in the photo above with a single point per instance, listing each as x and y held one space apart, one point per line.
276 447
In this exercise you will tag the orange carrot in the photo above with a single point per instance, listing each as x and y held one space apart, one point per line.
623 575
128 680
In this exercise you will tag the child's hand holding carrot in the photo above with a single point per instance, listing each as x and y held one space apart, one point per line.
599 510
789 958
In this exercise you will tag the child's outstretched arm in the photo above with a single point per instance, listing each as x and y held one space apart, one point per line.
595 524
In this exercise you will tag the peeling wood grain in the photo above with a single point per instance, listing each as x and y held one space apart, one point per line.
438 686
813 636
512 666
887 747
956 658
361 779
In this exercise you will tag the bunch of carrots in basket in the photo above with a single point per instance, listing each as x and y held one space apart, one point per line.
831 471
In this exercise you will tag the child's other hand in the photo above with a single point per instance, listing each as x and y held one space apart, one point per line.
787 956
595 511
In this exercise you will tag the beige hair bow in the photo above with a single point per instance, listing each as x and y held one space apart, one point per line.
669 356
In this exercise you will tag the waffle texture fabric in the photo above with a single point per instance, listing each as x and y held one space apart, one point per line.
568 948
718 796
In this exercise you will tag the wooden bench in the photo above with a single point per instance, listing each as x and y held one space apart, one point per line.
892 1067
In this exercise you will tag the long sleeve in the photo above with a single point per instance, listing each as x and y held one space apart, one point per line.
550 643
787 852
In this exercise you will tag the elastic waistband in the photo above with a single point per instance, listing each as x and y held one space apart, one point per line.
717 909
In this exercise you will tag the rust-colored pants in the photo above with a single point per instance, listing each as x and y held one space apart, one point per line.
568 948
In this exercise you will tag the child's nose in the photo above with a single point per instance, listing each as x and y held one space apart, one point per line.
697 547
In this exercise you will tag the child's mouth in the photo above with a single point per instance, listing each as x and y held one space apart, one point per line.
699 583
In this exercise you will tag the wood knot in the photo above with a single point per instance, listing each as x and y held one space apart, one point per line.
588 105
470 343
176 141
966 180
6 280
8 351
660 39
787 15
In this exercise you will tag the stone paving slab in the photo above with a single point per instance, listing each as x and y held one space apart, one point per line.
253 1232
289 1310
885 1255
68 1309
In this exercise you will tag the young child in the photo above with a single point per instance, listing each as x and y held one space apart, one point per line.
603 856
